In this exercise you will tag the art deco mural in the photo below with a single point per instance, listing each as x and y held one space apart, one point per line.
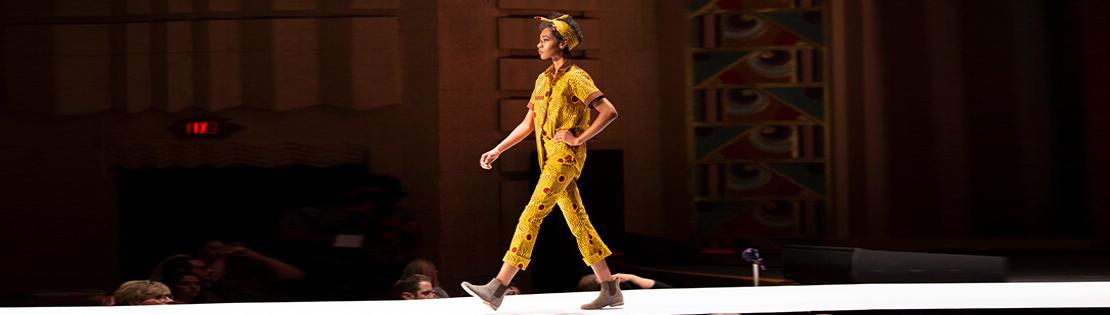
757 83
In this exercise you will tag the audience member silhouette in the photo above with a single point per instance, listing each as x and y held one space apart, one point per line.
427 268
240 274
142 292
414 287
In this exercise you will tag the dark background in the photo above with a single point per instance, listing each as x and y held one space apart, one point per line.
956 126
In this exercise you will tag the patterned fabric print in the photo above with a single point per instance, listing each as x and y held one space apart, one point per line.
561 101
556 185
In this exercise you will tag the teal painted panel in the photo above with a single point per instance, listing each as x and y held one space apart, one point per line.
708 138
805 23
806 99
709 63
696 5
810 175
699 105
819 65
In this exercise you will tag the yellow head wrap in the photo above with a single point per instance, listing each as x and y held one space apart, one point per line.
564 29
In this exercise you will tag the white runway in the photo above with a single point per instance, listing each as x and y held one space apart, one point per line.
797 298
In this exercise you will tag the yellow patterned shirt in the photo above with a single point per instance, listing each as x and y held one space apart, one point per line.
561 101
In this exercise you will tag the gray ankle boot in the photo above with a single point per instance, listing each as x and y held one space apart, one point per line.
492 293
610 296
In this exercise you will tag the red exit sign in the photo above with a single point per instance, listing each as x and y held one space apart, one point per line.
204 128
198 128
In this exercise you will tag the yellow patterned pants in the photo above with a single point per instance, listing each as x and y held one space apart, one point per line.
556 185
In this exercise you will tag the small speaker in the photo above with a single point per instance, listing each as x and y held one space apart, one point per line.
829 265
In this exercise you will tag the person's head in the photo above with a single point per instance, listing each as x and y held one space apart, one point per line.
422 267
142 292
172 264
180 264
185 287
589 283
416 287
210 250
559 34
200 269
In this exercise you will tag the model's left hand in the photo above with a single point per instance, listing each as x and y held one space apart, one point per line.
565 136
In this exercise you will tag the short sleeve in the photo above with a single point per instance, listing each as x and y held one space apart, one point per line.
540 81
583 88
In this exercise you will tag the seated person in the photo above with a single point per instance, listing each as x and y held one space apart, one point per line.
415 287
142 292
240 274
179 272
627 281
427 268
364 216
188 288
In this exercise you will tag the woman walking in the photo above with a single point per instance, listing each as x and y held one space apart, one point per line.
559 115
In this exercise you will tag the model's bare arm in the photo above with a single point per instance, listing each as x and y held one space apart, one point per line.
519 133
607 113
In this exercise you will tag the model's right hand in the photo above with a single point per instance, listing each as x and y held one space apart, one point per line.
487 158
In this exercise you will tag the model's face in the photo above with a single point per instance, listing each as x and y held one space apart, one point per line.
548 46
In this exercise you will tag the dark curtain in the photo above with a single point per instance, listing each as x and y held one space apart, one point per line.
992 117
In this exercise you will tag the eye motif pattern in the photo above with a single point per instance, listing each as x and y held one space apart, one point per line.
742 27
772 63
773 139
743 177
744 102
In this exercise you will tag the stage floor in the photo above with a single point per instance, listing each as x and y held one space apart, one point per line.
777 299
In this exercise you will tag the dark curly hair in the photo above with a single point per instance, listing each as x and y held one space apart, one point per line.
573 26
